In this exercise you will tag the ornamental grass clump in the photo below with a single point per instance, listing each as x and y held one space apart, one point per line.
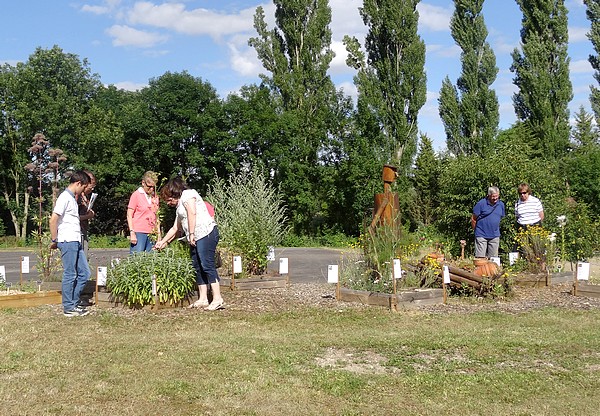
251 217
130 280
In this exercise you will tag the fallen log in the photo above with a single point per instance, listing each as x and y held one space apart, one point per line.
465 274
460 279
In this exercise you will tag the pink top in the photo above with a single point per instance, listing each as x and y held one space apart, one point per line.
144 211
210 209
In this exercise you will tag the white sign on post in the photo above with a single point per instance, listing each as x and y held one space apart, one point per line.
25 264
114 261
332 273
496 260
271 255
237 264
283 265
101 273
512 257
397 269
583 271
446 275
2 274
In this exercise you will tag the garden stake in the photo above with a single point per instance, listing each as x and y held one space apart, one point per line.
21 274
232 284
576 284
154 291
97 279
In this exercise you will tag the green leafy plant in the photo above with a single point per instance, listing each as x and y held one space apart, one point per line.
130 280
48 260
250 215
537 246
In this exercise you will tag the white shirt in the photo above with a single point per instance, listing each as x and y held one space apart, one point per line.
528 211
69 228
204 222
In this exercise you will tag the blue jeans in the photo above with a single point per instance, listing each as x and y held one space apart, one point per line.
203 258
143 243
75 273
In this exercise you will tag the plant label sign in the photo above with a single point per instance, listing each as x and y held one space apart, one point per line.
512 257
25 264
496 260
583 271
332 273
283 265
101 273
271 254
2 274
446 275
397 269
237 264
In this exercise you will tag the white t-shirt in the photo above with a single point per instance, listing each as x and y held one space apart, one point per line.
204 222
69 228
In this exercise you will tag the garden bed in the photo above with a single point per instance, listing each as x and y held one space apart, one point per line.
404 299
583 288
26 300
259 282
543 279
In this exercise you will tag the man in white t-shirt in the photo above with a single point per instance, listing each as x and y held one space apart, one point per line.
65 230
528 209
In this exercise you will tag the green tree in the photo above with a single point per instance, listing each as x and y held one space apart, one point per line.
297 54
469 110
593 15
48 94
542 75
426 183
584 132
390 76
583 163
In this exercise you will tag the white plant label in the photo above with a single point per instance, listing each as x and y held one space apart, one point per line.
237 264
496 260
583 271
512 257
25 264
101 273
271 255
332 273
2 274
283 265
397 269
446 275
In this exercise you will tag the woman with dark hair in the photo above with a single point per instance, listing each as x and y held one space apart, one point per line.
200 229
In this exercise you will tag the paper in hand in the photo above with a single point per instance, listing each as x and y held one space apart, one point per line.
93 197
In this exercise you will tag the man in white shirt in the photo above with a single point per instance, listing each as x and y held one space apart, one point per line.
65 231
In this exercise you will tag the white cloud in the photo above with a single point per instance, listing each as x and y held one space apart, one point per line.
199 21
581 66
130 86
578 34
107 7
434 18
128 36
244 61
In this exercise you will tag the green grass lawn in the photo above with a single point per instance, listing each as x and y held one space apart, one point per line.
314 362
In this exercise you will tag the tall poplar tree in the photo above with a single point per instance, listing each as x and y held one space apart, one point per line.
593 15
297 53
391 79
469 110
542 75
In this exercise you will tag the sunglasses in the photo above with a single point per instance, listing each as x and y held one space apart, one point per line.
149 186
523 193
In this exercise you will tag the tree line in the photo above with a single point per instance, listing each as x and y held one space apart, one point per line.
322 150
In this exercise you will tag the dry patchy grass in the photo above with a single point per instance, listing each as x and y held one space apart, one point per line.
314 361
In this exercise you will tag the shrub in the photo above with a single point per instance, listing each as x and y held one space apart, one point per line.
130 280
250 215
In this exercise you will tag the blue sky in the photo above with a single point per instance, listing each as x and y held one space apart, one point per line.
129 42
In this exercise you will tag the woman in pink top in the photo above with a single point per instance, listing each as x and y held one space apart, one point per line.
141 214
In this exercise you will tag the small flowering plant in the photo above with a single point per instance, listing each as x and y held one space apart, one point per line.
537 246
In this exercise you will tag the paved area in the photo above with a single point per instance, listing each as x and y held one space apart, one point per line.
305 265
